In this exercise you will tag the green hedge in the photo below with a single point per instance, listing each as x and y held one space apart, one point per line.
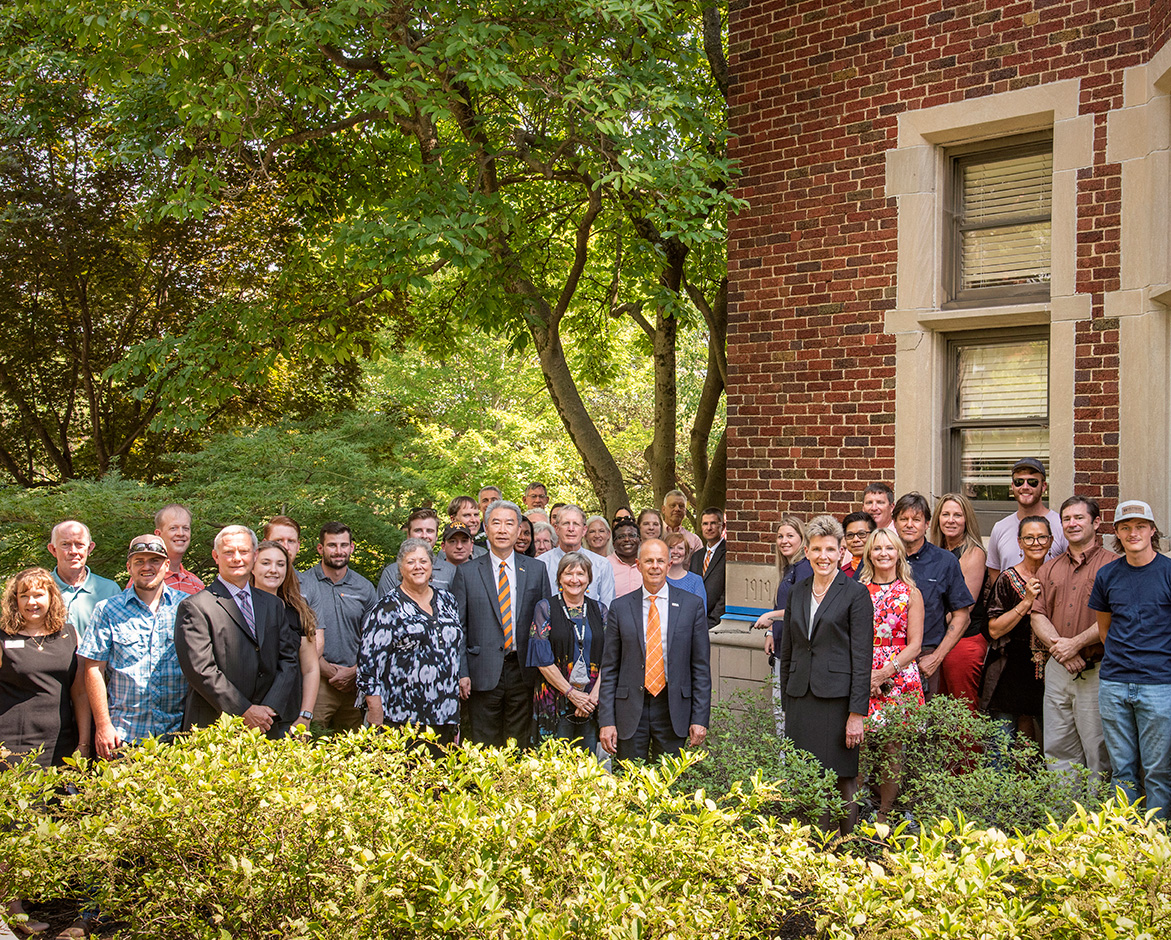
227 835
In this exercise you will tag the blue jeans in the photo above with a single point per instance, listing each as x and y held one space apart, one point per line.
583 734
1136 723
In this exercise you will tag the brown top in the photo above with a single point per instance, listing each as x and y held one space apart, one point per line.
1065 594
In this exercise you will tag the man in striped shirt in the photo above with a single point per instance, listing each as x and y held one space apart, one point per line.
132 675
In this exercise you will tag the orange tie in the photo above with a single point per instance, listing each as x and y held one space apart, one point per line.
656 675
505 598
707 560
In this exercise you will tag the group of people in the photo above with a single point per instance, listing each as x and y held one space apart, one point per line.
1045 629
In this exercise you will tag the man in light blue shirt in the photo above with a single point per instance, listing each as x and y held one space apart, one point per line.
70 543
135 685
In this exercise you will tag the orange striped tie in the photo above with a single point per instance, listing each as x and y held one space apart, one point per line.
656 675
504 596
707 560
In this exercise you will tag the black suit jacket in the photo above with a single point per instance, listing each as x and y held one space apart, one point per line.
713 581
227 670
482 646
689 676
834 662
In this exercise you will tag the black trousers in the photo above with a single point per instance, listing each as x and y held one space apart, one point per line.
505 712
655 735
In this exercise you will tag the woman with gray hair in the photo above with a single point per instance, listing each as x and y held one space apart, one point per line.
544 538
408 666
824 660
565 645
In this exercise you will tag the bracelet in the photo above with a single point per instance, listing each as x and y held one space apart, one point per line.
567 691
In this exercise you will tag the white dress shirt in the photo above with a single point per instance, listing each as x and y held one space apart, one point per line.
663 604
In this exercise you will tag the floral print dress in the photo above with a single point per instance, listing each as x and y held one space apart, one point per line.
410 658
891 602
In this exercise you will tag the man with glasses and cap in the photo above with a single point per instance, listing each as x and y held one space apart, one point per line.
1132 598
133 679
1028 488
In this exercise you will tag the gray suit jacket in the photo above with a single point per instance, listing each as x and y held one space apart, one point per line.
835 661
481 653
228 670
689 677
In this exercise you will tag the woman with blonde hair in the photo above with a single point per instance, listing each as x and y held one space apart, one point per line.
954 526
898 639
273 572
792 567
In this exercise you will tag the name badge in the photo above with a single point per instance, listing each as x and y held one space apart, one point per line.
17 644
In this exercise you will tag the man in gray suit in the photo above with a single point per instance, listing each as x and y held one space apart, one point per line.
235 646
496 594
656 678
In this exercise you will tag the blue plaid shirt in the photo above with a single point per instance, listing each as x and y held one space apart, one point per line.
146 687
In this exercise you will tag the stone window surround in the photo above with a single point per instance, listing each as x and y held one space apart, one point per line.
1138 137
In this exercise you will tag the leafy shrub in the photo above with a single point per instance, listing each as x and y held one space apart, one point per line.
957 762
742 745
225 834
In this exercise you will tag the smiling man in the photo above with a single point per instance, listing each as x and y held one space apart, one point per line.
674 511
70 543
340 598
234 644
1132 597
133 679
173 525
1028 488
571 528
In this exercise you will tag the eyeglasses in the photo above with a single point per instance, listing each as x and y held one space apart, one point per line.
1036 539
857 535
1026 481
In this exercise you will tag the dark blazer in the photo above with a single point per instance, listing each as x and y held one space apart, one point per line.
713 581
689 676
836 661
228 670
481 654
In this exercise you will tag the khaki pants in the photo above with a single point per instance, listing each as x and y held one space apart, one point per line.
1072 722
336 709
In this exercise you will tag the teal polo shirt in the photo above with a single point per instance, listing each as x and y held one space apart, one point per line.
80 601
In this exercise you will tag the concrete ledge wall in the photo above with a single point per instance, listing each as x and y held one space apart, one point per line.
738 660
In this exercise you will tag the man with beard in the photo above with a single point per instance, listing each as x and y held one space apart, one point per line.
135 686
340 598
1028 488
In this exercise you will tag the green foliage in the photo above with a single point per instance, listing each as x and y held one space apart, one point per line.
954 761
228 835
742 745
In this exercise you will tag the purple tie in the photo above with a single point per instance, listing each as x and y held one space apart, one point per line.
245 605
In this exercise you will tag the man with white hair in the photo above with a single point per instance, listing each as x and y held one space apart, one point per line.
70 543
235 645
571 529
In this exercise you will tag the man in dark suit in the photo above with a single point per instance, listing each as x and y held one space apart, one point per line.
496 594
234 644
656 682
708 563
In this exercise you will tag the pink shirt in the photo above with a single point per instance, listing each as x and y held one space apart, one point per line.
627 578
693 541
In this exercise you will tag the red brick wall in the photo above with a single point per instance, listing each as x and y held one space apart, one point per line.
817 90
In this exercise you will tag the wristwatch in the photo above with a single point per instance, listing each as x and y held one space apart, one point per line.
308 716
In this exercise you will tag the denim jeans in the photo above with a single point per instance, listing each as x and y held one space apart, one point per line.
1136 723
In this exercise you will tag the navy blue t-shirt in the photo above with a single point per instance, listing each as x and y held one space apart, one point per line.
1138 644
941 582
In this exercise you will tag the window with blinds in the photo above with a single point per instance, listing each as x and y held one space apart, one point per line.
999 411
1002 207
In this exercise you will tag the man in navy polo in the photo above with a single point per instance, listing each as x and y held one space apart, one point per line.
1133 599
947 602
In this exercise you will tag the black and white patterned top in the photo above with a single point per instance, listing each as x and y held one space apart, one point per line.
410 659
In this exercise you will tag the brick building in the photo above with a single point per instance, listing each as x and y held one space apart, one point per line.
957 229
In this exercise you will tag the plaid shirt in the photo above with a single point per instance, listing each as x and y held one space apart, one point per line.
145 684
183 580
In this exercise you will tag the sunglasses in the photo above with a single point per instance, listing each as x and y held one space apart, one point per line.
1026 481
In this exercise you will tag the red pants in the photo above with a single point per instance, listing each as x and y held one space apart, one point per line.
961 669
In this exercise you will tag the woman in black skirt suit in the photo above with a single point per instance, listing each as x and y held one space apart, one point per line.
825 659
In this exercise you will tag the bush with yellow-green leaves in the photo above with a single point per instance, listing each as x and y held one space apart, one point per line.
225 834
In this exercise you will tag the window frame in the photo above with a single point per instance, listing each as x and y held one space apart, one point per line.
987 511
982 152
